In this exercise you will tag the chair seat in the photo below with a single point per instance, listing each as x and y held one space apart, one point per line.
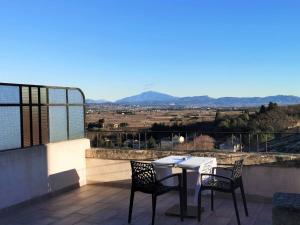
216 184
157 189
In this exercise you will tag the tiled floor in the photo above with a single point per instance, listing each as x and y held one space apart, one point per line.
105 205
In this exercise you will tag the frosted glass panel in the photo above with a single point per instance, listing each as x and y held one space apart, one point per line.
26 126
9 94
58 123
76 122
35 125
34 95
57 96
10 131
75 97
43 95
44 124
25 95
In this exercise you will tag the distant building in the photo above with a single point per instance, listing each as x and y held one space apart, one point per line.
235 147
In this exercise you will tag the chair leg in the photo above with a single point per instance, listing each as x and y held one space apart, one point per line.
153 208
199 205
236 208
244 199
131 205
212 200
181 205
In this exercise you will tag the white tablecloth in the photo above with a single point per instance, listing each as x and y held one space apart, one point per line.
163 168
199 165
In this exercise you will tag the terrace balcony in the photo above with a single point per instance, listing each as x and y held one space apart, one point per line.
105 197
49 174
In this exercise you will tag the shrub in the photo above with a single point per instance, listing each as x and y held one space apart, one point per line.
203 143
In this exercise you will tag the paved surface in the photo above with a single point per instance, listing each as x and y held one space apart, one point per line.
106 205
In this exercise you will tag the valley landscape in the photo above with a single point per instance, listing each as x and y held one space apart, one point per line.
248 124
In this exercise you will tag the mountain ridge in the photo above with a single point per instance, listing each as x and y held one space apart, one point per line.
158 98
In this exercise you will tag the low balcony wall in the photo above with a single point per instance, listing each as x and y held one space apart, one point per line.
27 174
264 173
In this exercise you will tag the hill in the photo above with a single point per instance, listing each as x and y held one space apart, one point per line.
149 97
156 98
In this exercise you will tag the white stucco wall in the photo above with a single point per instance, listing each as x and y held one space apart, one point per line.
32 172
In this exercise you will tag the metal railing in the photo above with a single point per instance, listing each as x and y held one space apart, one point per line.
196 141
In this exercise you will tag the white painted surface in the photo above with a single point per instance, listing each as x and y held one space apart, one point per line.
32 172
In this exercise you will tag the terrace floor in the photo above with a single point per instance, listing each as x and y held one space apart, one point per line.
108 205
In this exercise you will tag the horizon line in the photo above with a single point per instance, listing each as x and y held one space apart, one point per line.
191 96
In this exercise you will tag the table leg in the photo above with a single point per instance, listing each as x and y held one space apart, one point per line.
189 211
184 187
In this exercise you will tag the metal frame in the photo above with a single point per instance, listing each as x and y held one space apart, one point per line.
21 104
251 142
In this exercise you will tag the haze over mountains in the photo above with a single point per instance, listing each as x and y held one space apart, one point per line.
157 98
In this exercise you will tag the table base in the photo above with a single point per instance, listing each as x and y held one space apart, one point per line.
192 211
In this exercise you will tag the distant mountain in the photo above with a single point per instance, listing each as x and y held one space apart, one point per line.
92 101
149 97
156 98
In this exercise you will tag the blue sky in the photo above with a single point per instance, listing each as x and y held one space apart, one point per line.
112 49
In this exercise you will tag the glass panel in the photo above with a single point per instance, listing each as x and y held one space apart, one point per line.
75 97
58 123
35 125
34 95
43 95
10 131
9 94
57 96
76 122
44 124
25 95
26 126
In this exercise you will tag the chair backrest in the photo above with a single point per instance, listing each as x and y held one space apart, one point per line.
237 169
143 174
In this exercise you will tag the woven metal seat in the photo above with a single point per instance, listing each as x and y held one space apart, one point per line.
227 184
144 180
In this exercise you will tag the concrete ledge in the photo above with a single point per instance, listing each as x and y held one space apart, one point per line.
223 158
264 175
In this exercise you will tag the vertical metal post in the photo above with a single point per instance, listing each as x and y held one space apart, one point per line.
160 144
186 141
21 116
40 116
139 140
266 142
67 109
249 144
184 189
119 139
126 138
172 142
133 141
146 145
30 116
195 135
257 143
241 149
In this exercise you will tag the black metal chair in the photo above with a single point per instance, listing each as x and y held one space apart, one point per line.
144 180
227 184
